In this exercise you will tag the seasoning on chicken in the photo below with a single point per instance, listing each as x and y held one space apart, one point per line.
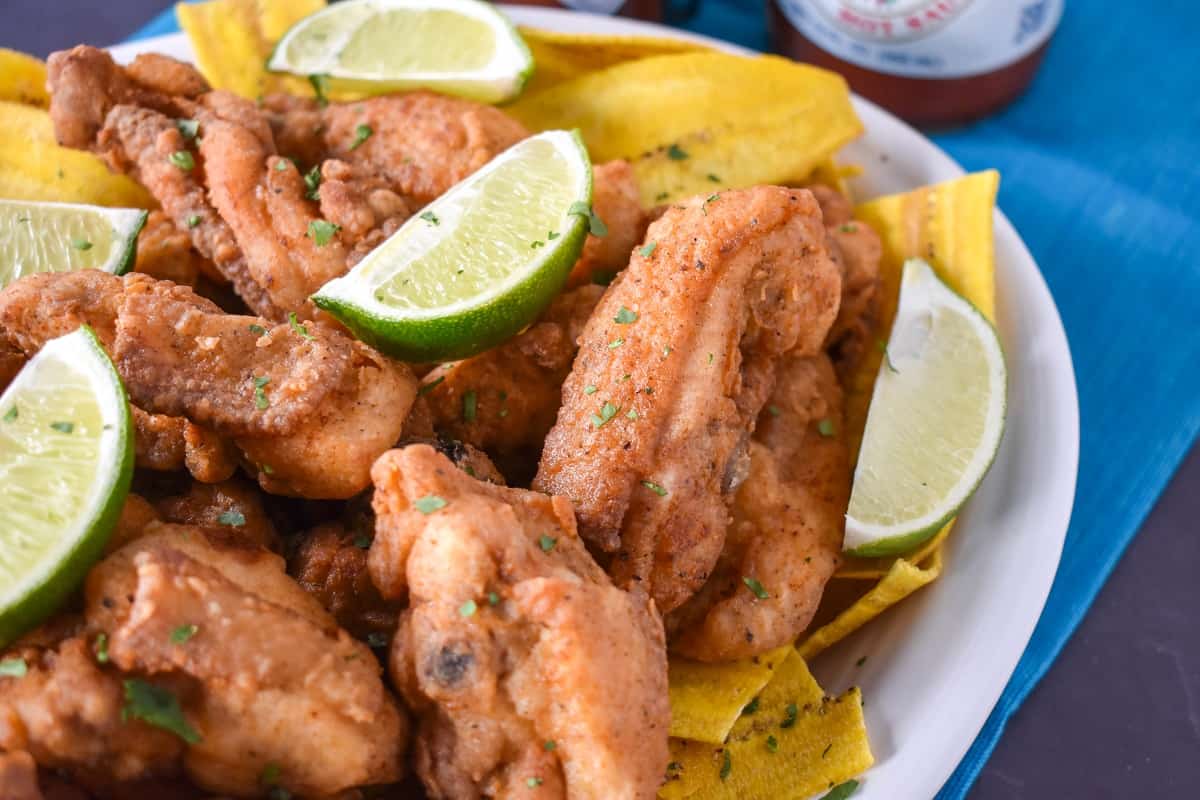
514 639
673 369
788 518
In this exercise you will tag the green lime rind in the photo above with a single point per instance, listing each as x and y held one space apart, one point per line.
129 254
462 327
45 585
495 87
874 536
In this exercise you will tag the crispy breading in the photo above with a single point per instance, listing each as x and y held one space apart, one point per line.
330 563
673 368
514 638
231 504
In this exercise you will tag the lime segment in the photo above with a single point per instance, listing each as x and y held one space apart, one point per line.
479 263
66 459
935 422
59 237
462 47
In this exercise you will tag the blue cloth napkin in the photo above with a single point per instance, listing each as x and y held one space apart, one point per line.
1101 175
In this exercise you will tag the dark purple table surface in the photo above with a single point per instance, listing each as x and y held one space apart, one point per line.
1118 716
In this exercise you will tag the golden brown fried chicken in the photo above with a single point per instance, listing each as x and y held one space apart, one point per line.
165 252
231 504
788 519
504 400
308 408
18 776
615 200
268 678
674 367
514 638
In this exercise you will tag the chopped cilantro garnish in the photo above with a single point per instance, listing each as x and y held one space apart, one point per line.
430 217
861 661
676 153
710 358
726 766
552 235
362 541
312 183
607 412
615 343
772 744
297 327
429 503
470 403
631 414
320 85
792 714
648 249
849 227
825 427
596 226
842 791
713 178
536 243
257 329
235 519
13 668
157 707
750 707
63 427
321 231
666 351
184 632
654 487
493 599
188 128
377 639
625 316
193 220
589 389
658 198
546 543
270 774
260 395
182 159
102 648
549 745
361 134
267 469
533 783
13 413
774 411
81 244
753 585
426 388
281 165
468 609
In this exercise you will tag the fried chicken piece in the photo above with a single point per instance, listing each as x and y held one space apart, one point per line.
513 638
330 563
166 253
673 368
615 200
517 386
137 514
232 504
273 679
18 777
788 520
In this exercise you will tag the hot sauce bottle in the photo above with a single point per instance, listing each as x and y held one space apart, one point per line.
932 62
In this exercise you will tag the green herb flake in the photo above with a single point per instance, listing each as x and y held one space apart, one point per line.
842 791
589 389
825 427
772 744
362 542
596 226
774 411
666 351
552 235
234 519
676 153
321 231
297 327
158 707
281 165
182 159
361 134
257 329
648 249
607 412
849 227
470 404
861 661
751 707
267 469
533 783
493 599
625 316
468 609
546 543
13 413
312 183
430 217
63 427
429 503
102 648
549 745
260 395
269 775
792 714
184 632
536 243
13 668
654 487
320 85
757 588
193 220
615 343
710 358
726 766
426 388
188 128
713 178
81 244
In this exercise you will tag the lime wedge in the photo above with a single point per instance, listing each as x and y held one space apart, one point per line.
935 420
462 47
60 237
66 458
479 263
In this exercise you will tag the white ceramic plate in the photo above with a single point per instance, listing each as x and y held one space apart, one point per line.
938 662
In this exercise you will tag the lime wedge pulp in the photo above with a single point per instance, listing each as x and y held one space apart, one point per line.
935 422
479 263
462 47
66 459
59 237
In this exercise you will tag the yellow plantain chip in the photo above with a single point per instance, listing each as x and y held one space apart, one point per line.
22 79
795 744
693 122
901 580
562 56
706 699
833 175
232 39
34 167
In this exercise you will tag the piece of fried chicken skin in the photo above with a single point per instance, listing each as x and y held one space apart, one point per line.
673 369
788 523
307 408
530 673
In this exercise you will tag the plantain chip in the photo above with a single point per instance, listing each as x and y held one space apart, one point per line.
692 122
34 167
834 175
848 605
706 699
795 744
562 56
233 38
23 79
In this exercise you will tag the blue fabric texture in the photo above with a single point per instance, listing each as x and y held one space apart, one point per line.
1101 175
